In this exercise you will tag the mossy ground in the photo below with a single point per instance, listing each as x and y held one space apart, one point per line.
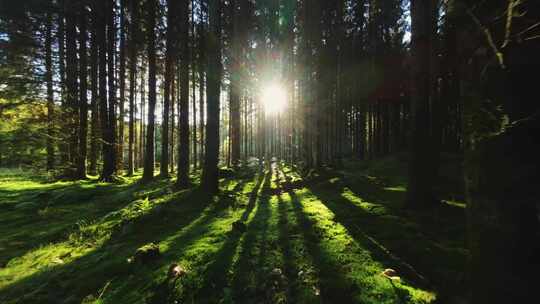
325 239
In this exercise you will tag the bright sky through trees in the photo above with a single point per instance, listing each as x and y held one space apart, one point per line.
274 99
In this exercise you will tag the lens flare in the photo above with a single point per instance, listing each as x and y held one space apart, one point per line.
274 99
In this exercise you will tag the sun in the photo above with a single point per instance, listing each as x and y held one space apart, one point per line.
274 99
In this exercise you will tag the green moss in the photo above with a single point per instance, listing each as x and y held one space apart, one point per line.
301 245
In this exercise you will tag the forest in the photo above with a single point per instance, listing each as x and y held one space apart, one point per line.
269 151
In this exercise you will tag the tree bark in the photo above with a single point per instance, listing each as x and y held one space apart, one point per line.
71 87
107 145
420 189
234 106
202 87
122 86
61 35
210 176
50 94
111 69
83 102
148 172
183 136
94 129
132 48
170 62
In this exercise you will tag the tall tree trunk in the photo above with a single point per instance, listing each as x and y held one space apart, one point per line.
71 86
183 136
194 113
340 96
193 59
213 88
201 68
107 145
142 127
132 48
234 106
170 62
172 125
148 172
111 69
50 93
94 129
420 189
122 85
61 35
502 163
83 102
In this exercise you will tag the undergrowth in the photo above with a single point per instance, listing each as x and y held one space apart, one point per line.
321 240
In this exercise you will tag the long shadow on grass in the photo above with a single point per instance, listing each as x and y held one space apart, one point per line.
397 242
246 281
216 276
387 192
72 281
163 292
57 212
334 286
442 224
302 287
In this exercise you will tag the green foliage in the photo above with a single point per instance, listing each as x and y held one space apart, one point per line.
483 118
302 242
23 135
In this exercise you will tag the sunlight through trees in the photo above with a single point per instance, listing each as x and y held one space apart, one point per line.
375 136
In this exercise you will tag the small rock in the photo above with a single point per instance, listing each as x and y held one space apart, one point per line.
239 226
175 271
391 274
57 261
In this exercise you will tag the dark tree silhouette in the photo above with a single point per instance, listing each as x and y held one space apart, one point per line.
213 88
148 172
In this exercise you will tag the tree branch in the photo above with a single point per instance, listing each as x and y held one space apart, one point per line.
489 38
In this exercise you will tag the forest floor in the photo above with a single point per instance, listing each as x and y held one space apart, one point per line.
325 238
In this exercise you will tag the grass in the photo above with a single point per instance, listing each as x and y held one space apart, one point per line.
321 240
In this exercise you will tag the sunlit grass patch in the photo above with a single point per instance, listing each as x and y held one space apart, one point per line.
367 206
194 246
397 188
302 242
454 203
347 267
